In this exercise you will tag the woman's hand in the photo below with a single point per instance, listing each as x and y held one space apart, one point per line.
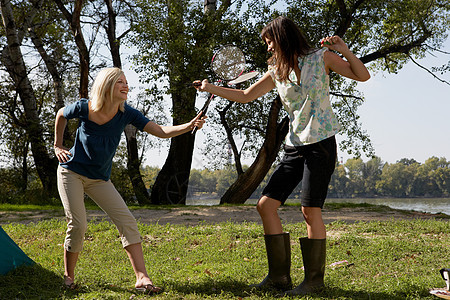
200 85
62 153
198 121
334 43
353 68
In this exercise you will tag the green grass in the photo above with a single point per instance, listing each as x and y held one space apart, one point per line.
89 204
392 260
28 207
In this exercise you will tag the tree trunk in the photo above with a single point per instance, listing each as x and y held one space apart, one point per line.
209 6
133 160
133 167
172 181
58 85
52 68
83 51
248 181
15 66
231 141
24 183
171 184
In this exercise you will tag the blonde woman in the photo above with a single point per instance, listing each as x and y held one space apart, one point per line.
300 74
86 168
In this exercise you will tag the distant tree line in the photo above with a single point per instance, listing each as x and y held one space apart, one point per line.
405 178
355 178
352 179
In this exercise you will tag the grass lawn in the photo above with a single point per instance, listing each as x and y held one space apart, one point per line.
389 260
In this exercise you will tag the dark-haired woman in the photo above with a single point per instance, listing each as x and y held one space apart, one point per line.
301 75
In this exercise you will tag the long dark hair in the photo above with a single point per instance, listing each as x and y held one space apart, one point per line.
290 42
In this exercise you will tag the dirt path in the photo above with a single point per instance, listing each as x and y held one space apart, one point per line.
215 214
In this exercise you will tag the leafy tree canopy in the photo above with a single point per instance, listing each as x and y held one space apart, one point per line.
384 34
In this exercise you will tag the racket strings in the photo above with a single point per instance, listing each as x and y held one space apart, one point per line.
228 63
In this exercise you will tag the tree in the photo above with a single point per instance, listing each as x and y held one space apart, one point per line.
432 177
355 185
338 183
12 59
225 177
191 41
386 43
74 19
174 46
396 180
385 34
371 173
133 158
441 177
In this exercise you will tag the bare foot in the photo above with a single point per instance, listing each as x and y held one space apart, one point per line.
143 282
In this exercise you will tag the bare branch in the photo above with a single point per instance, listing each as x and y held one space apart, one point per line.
419 65
437 50
228 130
345 95
255 128
75 25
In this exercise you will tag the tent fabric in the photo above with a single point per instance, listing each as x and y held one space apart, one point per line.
11 256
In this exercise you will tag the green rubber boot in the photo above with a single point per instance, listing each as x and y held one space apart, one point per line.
278 248
314 255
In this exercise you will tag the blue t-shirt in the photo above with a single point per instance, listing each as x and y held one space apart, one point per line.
95 145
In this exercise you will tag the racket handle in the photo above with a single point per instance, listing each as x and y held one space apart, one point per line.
195 127
202 114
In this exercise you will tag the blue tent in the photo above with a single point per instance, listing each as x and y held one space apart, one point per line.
11 256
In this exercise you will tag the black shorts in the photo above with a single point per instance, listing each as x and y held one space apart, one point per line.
312 164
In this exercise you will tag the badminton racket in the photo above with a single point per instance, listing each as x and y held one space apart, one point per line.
244 77
228 64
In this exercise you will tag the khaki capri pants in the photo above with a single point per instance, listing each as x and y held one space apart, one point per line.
71 187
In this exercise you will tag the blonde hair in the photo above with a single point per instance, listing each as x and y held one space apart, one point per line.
104 84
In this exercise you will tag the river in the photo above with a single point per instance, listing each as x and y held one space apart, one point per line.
429 205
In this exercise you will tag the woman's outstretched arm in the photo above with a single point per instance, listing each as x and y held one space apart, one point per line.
256 90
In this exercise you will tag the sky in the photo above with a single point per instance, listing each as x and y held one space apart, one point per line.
406 115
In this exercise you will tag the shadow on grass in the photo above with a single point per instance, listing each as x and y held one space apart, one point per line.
239 289
335 292
36 282
211 287
30 282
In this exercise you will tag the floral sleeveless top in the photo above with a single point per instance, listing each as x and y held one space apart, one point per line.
308 104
